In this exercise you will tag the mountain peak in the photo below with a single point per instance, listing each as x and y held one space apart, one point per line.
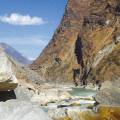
14 53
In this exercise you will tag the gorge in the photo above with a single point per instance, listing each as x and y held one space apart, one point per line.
77 75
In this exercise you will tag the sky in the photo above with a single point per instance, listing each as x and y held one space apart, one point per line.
28 25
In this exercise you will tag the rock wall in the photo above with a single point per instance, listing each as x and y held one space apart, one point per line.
85 44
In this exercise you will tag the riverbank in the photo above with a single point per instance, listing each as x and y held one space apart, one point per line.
59 100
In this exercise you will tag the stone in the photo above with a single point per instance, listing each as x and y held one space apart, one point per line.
13 73
108 96
8 80
21 110
23 93
104 112
57 113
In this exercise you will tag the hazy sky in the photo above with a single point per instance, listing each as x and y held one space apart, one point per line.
28 25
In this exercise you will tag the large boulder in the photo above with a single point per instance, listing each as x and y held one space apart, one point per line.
108 96
21 110
8 80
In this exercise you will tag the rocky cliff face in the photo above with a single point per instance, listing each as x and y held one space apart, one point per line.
85 45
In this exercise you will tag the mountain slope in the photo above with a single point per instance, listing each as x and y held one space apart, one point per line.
58 58
14 54
85 45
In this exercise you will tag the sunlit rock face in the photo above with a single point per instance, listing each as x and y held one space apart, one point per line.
58 59
101 47
85 45
21 110
8 81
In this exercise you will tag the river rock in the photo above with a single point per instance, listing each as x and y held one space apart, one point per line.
50 95
56 114
21 110
108 96
23 93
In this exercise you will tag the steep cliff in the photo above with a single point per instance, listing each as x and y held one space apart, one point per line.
85 44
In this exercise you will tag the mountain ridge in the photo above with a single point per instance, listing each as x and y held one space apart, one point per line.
15 54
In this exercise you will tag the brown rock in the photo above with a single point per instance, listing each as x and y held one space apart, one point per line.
85 45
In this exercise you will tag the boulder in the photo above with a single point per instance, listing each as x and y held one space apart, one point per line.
108 96
21 110
8 80
56 114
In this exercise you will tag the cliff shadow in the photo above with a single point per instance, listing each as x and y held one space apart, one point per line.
78 51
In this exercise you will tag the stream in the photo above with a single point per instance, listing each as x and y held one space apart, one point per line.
82 92
81 98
